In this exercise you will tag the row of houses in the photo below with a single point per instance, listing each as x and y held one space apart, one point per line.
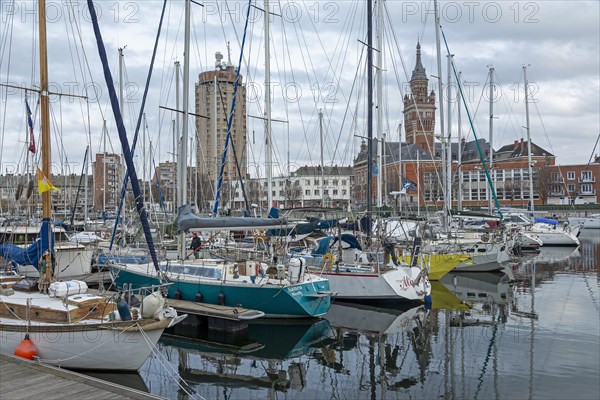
340 186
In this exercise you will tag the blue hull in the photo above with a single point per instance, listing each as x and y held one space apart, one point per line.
293 301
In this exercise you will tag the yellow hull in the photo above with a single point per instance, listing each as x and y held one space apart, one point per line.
440 264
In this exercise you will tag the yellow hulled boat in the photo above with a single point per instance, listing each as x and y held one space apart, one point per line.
440 264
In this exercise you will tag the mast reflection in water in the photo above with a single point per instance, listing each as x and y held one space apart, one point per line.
529 332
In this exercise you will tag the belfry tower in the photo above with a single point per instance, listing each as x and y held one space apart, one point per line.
419 109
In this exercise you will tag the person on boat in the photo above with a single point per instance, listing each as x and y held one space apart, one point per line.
196 243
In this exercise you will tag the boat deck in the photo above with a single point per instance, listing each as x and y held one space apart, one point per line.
24 379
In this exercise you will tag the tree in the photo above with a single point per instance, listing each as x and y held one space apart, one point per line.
292 193
254 191
512 189
544 182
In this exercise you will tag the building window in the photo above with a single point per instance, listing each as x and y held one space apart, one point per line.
325 182
316 192
326 191
335 182
307 182
570 175
586 188
335 192
556 177
344 182
344 192
571 188
316 182
586 175
307 192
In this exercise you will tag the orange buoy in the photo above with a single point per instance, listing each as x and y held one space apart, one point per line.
26 349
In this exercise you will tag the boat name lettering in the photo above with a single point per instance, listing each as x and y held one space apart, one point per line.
406 282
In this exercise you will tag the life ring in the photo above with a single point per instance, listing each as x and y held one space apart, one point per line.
327 261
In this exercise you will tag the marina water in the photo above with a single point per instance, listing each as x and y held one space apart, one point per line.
529 333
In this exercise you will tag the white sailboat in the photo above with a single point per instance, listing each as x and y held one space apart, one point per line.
62 324
590 222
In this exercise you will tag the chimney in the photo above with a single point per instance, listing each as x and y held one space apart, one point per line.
522 146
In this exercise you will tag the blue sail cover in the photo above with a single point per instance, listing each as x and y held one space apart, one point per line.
32 254
327 242
323 246
546 221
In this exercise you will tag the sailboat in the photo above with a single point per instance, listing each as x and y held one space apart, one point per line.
61 324
279 290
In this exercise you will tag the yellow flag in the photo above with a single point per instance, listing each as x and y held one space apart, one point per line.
44 183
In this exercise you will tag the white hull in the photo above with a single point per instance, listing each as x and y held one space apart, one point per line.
80 330
592 222
392 285
73 262
558 238
485 257
74 348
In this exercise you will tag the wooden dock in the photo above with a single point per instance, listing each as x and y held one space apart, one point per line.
213 316
216 317
24 379
214 310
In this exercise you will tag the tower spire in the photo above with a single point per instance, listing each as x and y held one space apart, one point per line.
419 71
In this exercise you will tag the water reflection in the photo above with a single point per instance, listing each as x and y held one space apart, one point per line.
530 332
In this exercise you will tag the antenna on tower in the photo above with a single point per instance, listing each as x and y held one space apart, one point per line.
218 58
228 54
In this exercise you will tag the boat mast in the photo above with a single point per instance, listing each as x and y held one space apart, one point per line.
104 180
184 139
322 163
215 142
448 197
418 182
378 82
529 166
44 109
369 113
399 196
176 131
46 230
459 147
440 101
144 159
268 149
122 108
488 189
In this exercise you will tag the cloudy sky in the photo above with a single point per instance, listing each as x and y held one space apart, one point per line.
318 62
